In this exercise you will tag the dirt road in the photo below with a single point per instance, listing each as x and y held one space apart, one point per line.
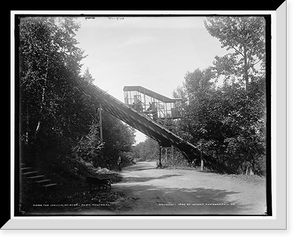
150 191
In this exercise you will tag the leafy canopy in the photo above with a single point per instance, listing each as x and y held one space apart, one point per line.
245 38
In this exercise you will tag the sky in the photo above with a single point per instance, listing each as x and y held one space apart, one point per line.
153 52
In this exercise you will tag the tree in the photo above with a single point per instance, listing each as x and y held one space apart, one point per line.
89 147
87 76
226 123
245 36
118 139
147 150
198 81
49 81
58 118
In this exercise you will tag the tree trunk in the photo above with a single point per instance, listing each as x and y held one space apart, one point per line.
27 125
246 76
42 99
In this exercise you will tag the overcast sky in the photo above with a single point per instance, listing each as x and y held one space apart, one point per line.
153 52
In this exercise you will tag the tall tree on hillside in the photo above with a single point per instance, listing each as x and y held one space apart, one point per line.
53 109
58 117
245 36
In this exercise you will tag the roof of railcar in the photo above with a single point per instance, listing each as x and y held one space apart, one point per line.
151 93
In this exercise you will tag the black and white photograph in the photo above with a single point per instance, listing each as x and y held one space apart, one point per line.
143 115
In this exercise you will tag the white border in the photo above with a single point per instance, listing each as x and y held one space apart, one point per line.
277 221
273 115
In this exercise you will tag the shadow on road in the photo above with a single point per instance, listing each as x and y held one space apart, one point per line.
154 200
147 191
145 179
140 166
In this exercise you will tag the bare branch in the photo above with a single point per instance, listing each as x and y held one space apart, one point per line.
238 51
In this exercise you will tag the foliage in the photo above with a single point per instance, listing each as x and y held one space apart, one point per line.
245 36
118 139
58 119
227 122
87 76
53 110
147 150
89 146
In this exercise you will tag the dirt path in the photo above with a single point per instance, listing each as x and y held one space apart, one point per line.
150 191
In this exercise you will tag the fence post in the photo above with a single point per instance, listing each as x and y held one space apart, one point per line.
201 159
159 165
100 123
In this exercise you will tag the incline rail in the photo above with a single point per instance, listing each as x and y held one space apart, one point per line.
152 129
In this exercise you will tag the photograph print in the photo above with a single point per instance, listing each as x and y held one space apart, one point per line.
143 115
